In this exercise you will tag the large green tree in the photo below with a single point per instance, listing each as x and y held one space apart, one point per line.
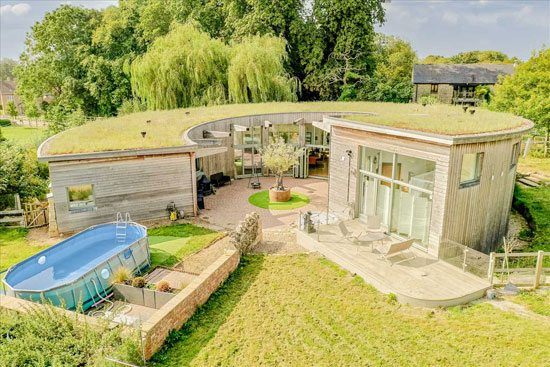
6 68
339 40
52 61
527 92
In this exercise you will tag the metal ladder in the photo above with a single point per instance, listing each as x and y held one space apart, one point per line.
121 226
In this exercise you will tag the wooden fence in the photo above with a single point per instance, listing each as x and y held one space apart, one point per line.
521 268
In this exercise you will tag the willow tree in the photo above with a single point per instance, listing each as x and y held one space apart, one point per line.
184 68
256 71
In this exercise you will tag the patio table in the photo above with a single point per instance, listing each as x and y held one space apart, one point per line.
370 238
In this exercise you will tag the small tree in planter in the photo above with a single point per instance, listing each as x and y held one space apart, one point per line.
279 157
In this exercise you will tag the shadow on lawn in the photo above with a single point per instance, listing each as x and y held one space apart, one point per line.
181 347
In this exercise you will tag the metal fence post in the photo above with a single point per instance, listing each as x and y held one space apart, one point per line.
538 268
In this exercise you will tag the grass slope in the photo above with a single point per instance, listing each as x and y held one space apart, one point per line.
297 311
167 127
170 244
14 247
24 136
261 200
534 204
536 301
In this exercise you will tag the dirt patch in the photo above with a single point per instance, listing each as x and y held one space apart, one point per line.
280 241
517 224
509 306
40 237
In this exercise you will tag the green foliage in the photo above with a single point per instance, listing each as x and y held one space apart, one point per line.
256 71
184 68
11 109
21 173
527 92
5 122
537 301
261 200
428 100
179 230
484 93
391 81
6 68
122 274
47 337
130 106
338 39
1 136
534 203
471 57
279 157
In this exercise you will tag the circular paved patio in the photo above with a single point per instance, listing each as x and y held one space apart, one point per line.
230 204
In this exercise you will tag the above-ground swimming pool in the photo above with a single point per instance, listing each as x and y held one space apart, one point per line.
80 268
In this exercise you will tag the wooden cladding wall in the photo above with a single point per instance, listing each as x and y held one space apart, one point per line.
477 216
343 139
141 186
220 162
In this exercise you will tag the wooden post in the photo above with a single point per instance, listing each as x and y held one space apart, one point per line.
490 273
538 269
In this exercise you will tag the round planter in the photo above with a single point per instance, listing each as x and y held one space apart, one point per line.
279 196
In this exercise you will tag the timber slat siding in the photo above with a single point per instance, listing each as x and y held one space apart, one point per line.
141 186
343 139
477 216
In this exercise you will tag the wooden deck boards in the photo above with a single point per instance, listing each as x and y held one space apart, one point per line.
423 280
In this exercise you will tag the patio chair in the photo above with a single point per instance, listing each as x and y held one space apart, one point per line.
396 248
353 237
373 224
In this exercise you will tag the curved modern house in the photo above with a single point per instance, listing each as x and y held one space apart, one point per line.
427 186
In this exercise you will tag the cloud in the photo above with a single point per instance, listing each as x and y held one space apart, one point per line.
16 9
450 17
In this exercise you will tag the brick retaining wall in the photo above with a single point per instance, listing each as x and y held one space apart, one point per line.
180 308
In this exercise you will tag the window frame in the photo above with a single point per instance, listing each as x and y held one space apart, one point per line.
516 149
80 209
434 88
478 169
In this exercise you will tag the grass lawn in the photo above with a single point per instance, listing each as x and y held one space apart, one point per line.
24 136
166 127
538 302
534 204
534 165
170 244
14 247
261 200
303 311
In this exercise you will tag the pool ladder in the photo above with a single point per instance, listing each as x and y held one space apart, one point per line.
121 226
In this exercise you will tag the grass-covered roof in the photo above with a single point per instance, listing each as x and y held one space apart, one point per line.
167 127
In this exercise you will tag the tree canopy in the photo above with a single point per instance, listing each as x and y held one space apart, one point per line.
527 92
471 57
6 68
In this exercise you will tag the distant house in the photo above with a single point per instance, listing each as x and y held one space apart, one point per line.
455 83
7 94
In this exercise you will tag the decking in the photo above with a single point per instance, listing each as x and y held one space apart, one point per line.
421 281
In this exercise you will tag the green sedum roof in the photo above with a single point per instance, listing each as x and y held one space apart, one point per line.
167 127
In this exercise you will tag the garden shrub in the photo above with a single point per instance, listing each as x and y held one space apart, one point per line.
46 337
122 275
163 286
138 282
5 122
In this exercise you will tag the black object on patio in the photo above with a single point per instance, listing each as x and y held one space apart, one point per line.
219 179
204 187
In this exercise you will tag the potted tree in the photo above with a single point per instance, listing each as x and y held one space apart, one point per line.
279 157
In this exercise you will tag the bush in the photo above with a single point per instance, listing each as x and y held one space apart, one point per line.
5 122
428 100
122 275
138 282
46 337
163 286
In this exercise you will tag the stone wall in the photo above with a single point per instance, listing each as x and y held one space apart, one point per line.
180 308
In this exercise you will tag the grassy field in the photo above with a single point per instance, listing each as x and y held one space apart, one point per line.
166 127
534 165
303 311
536 301
170 244
26 137
14 247
534 204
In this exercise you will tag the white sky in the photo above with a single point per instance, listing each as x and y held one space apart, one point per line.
443 27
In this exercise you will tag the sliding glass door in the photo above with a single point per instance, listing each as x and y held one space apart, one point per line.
398 190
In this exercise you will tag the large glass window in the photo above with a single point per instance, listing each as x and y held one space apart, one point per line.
471 169
290 133
398 190
81 198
